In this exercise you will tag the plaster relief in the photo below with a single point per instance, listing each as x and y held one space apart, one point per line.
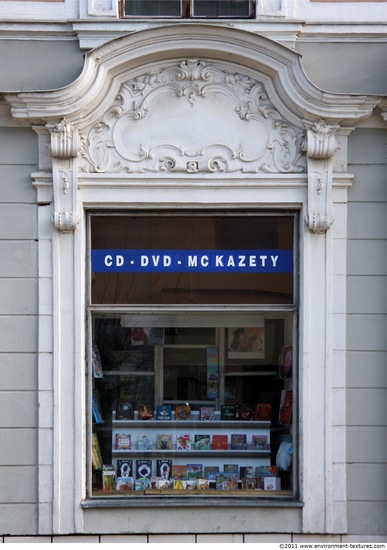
192 118
64 150
320 147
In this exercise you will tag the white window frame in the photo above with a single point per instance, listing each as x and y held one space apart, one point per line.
321 459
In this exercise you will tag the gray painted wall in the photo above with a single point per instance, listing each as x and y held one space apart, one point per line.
41 65
24 65
18 332
347 68
367 334
31 65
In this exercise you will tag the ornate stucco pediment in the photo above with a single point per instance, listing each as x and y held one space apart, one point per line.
192 116
193 101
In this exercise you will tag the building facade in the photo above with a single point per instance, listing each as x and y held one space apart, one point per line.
193 298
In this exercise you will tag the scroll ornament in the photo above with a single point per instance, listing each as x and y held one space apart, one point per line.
320 148
64 149
192 118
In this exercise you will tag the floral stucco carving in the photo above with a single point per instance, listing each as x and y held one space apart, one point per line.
192 117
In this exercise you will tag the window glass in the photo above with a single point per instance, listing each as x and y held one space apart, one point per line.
222 8
153 8
194 400
193 406
192 259
188 8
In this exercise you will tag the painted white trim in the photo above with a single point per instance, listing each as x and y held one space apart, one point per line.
315 351
93 33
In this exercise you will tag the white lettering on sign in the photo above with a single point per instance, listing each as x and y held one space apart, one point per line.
194 260
155 261
249 261
119 260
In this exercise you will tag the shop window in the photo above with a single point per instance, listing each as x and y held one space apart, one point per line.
192 323
188 8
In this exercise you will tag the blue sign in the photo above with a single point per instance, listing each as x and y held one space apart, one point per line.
192 261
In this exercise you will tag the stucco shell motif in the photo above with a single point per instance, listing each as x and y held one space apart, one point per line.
192 117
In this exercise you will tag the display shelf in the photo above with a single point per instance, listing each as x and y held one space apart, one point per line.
136 431
172 453
237 424
175 494
181 409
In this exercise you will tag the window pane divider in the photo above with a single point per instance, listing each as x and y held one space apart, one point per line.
189 346
252 373
130 309
128 373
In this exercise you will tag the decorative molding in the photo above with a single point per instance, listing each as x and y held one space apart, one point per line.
64 140
66 222
383 107
102 8
192 117
64 151
321 142
320 147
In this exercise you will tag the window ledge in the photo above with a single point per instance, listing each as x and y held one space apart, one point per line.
190 501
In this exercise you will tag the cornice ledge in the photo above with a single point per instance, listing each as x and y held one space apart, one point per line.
37 30
296 98
343 32
93 34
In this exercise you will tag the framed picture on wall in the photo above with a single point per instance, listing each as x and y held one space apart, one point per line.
246 342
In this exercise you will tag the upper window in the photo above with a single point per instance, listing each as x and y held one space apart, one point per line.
189 259
188 8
